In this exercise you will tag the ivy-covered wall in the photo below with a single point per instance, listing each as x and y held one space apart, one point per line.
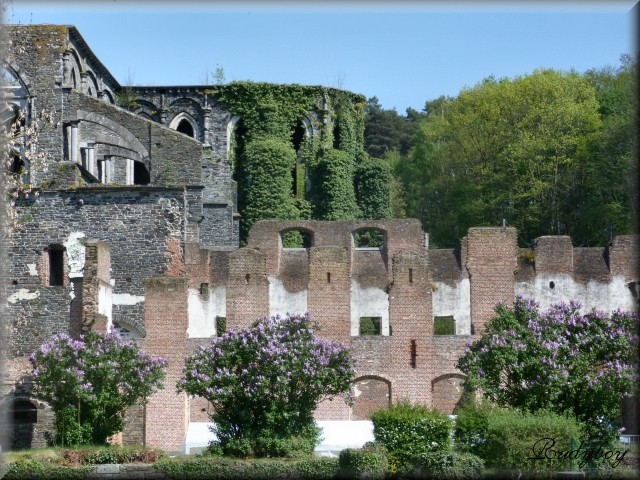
296 152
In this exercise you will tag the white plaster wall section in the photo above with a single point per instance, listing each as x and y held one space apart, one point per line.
22 294
105 303
456 301
282 302
33 271
75 254
368 302
126 299
200 324
218 301
601 296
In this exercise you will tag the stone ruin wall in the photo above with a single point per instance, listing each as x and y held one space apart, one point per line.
404 284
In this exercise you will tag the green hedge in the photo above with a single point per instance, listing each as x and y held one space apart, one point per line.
513 439
450 465
370 463
408 431
213 468
471 426
37 470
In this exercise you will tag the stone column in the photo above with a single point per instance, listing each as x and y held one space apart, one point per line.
74 142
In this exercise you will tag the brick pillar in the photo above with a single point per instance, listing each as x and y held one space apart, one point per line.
247 288
329 293
166 322
410 313
624 257
492 257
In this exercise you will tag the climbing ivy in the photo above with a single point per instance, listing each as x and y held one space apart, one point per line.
323 167
373 189
334 178
268 163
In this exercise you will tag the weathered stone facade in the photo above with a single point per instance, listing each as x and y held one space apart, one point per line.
134 227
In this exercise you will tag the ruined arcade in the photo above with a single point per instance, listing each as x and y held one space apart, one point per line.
135 227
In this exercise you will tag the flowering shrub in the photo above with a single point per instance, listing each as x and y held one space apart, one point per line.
559 360
265 382
91 381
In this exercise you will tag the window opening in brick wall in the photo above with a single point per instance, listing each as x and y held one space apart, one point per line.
444 325
247 277
204 289
221 326
328 277
297 239
370 325
140 174
414 354
552 285
24 412
56 265
369 238
411 275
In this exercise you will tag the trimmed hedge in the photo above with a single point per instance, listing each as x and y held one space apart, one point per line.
363 463
450 465
213 468
511 437
408 431
37 470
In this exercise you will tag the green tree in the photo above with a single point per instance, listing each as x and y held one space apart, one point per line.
386 130
504 149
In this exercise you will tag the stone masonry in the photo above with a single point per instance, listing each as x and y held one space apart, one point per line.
130 224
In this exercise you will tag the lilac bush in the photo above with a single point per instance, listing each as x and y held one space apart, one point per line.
559 359
264 382
91 381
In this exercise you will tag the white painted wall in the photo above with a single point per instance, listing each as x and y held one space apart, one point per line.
368 302
75 254
601 296
456 301
202 312
282 302
105 303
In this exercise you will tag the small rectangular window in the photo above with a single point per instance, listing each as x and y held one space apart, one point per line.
221 326
56 266
204 289
370 325
445 325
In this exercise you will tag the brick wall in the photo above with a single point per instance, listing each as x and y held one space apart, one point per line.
166 321
491 263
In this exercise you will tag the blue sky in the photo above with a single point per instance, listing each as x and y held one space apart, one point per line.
404 53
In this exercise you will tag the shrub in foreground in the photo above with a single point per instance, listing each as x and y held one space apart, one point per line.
513 440
407 431
363 463
265 382
450 465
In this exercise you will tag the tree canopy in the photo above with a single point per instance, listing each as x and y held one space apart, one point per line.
549 152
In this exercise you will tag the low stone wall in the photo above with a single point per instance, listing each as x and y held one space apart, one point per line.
134 471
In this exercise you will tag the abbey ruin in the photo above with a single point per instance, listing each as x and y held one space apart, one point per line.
136 226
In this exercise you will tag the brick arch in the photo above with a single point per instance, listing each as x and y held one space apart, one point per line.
371 393
368 228
446 392
304 230
30 421
146 107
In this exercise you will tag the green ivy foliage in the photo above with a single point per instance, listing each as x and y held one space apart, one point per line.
268 163
336 196
373 189
323 167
